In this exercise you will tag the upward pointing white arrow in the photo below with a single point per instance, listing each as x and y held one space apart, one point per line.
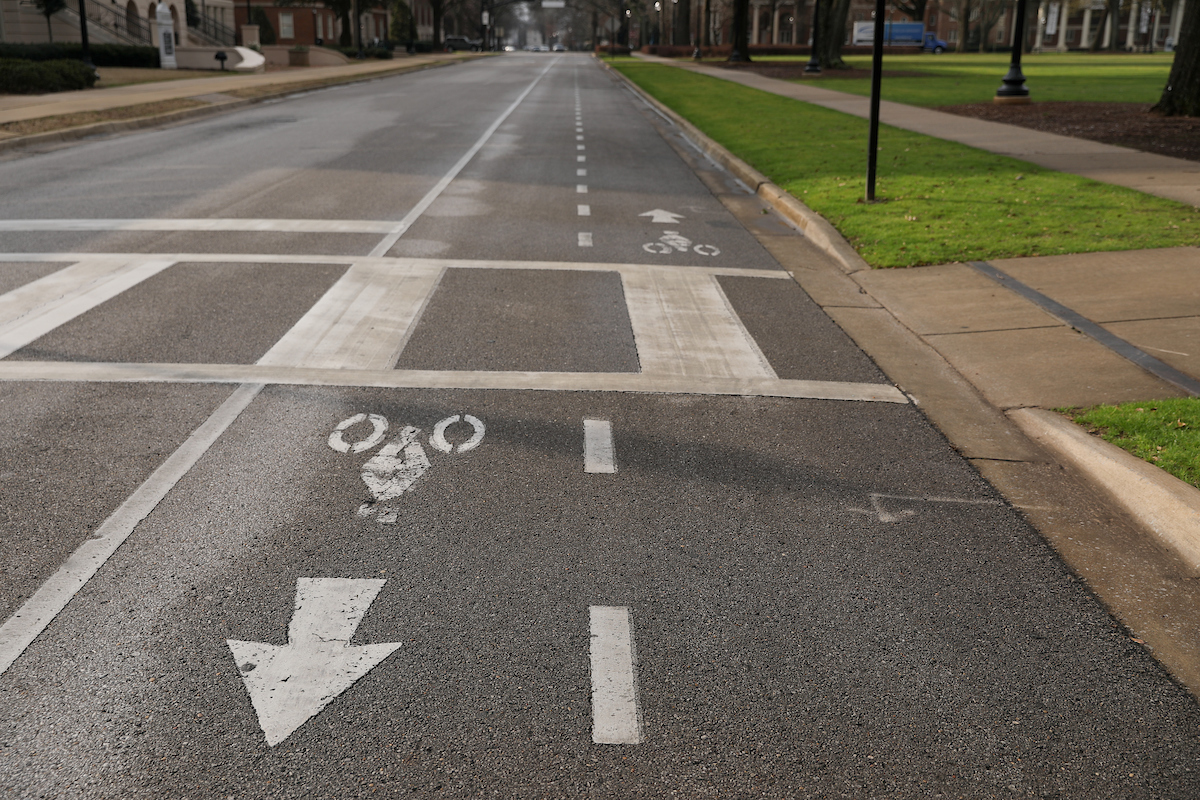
659 215
288 685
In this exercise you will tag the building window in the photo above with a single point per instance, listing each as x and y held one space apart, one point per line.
320 27
952 37
999 34
286 29
1071 35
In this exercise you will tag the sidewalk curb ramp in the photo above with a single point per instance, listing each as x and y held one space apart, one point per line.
1159 501
185 114
818 230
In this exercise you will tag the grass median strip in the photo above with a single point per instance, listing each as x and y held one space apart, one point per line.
1164 432
60 122
943 201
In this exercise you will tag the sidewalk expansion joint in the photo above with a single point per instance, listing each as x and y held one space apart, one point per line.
1085 326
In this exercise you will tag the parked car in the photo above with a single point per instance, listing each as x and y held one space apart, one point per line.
558 48
452 44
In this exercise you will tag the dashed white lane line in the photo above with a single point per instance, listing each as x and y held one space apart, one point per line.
20 630
616 717
581 159
584 210
581 173
579 138
412 216
599 455
580 147
585 239
581 188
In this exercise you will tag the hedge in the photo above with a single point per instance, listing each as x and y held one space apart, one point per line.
103 55
40 77
368 52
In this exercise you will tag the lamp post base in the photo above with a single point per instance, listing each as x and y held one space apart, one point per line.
1013 100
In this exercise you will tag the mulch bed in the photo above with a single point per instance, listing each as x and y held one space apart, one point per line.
1125 124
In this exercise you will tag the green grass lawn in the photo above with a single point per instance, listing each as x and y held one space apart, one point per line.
1164 432
944 201
951 79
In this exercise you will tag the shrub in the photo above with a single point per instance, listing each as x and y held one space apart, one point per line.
266 33
39 77
103 55
368 52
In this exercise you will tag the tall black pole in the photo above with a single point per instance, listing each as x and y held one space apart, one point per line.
814 61
1012 88
876 80
358 30
87 54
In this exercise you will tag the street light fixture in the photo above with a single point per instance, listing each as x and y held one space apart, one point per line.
1013 90
814 62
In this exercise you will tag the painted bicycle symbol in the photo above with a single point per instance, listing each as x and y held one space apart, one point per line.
674 241
401 462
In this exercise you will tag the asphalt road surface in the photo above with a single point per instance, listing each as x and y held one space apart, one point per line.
447 436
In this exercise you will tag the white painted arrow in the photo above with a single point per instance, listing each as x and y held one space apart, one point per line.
288 685
659 215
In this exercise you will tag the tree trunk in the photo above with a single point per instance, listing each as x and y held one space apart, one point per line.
1182 94
833 33
683 22
438 13
964 26
741 31
1114 13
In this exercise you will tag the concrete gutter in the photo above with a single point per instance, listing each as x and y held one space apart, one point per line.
1159 501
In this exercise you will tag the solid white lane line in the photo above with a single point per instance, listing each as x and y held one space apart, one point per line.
581 188
426 201
616 717
362 322
585 239
33 310
599 455
390 263
256 225
19 631
684 325
78 372
584 210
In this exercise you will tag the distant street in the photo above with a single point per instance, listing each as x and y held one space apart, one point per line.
454 435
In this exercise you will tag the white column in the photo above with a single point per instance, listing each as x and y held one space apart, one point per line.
1041 28
775 27
1177 20
1106 37
1085 35
1131 32
756 10
1062 26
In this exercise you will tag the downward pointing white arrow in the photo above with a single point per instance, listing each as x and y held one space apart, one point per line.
659 215
288 685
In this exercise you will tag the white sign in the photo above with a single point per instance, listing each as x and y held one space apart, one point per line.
659 215
554 4
401 462
1052 20
290 684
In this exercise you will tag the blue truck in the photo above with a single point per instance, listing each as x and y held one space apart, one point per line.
899 34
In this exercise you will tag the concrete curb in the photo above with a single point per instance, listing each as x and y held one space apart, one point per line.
1159 501
818 229
182 115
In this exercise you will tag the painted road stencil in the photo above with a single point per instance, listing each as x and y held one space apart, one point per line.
400 463
290 684
672 241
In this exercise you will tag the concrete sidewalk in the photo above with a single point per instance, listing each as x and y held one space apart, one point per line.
1172 178
219 92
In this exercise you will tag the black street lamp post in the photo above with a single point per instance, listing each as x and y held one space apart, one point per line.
1012 89
87 54
814 62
